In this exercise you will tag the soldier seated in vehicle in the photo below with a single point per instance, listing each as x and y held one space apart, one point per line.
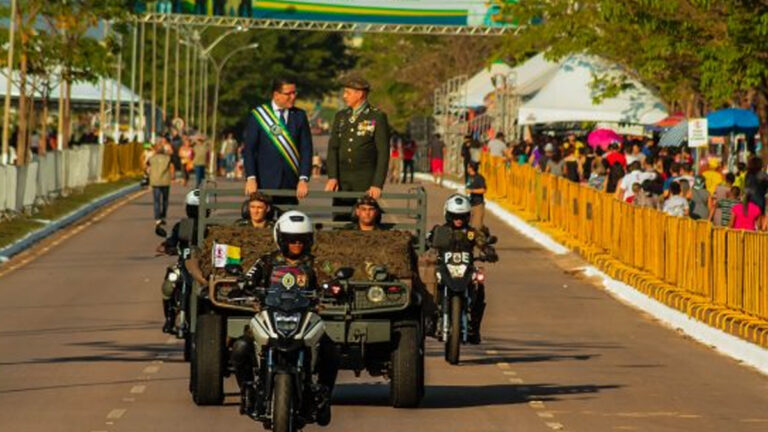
179 243
257 214
367 216
294 235
457 212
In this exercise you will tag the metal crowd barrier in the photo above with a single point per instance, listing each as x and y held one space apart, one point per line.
692 265
48 175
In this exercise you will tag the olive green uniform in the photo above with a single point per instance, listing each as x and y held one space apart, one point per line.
358 149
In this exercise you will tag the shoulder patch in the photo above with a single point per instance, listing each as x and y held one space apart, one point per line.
471 235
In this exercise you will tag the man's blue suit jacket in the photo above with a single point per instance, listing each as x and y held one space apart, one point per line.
262 159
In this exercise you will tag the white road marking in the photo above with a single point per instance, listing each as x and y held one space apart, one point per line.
555 426
157 362
129 399
116 413
516 380
545 414
536 404
151 369
491 352
138 389
513 373
503 365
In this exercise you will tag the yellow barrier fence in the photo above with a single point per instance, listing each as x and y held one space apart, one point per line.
122 160
714 274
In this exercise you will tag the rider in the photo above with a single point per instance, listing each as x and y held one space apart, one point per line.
457 211
294 236
367 216
183 237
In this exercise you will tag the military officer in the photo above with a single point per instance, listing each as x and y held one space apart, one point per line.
358 149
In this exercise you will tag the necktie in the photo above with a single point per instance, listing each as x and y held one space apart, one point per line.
283 115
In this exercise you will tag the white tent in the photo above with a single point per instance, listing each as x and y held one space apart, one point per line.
568 97
82 92
527 78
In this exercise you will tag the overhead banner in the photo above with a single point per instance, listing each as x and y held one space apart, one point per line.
426 12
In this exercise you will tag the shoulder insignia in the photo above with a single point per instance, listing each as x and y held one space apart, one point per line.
471 235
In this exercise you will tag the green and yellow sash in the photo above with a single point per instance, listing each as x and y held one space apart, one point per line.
278 134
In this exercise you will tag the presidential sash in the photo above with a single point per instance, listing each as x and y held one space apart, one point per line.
278 134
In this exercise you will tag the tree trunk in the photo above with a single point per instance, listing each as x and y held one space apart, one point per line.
44 124
21 140
67 113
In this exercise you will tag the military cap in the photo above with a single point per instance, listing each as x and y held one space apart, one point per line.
367 200
356 82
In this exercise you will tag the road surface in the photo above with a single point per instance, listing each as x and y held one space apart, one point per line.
81 350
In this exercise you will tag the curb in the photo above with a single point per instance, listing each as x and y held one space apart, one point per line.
723 342
30 239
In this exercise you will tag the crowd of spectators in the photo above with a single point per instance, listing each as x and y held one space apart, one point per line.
643 174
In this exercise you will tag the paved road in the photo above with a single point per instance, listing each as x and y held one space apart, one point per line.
81 350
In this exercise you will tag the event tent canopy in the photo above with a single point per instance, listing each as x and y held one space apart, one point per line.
568 97
82 92
527 77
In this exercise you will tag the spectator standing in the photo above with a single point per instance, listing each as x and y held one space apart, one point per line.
636 155
713 175
615 156
408 151
497 146
476 189
746 215
186 157
176 143
700 199
466 154
436 154
624 191
722 191
674 175
615 174
756 183
724 207
676 205
229 155
741 174
395 160
647 197
317 165
597 176
160 177
554 164
571 165
571 143
199 159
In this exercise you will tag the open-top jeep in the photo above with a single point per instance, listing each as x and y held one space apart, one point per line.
372 295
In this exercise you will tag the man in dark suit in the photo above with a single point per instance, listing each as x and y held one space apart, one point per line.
278 145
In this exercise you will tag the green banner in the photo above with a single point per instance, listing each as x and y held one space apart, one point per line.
430 12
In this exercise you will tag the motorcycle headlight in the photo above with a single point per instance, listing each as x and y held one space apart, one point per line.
173 276
375 294
286 324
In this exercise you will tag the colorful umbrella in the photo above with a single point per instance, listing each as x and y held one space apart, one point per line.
733 120
671 121
603 138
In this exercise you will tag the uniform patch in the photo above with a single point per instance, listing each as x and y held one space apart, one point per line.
288 280
471 235
301 280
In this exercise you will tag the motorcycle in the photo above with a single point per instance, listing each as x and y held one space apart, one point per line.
462 285
285 395
179 282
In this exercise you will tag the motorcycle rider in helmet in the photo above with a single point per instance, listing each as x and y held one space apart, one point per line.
457 211
294 235
182 239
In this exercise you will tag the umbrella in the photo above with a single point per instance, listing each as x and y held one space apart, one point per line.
675 136
733 120
603 138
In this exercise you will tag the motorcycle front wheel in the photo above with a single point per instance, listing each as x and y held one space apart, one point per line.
282 403
453 343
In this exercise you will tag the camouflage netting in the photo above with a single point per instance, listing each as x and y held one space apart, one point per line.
332 250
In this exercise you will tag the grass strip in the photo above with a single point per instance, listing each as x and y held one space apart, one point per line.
20 226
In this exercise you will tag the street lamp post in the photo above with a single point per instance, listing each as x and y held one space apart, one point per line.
7 112
219 67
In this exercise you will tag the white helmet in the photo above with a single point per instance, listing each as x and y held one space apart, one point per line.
192 201
293 225
457 206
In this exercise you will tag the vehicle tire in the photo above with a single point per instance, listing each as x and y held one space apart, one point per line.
282 403
453 344
209 360
407 383
192 363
